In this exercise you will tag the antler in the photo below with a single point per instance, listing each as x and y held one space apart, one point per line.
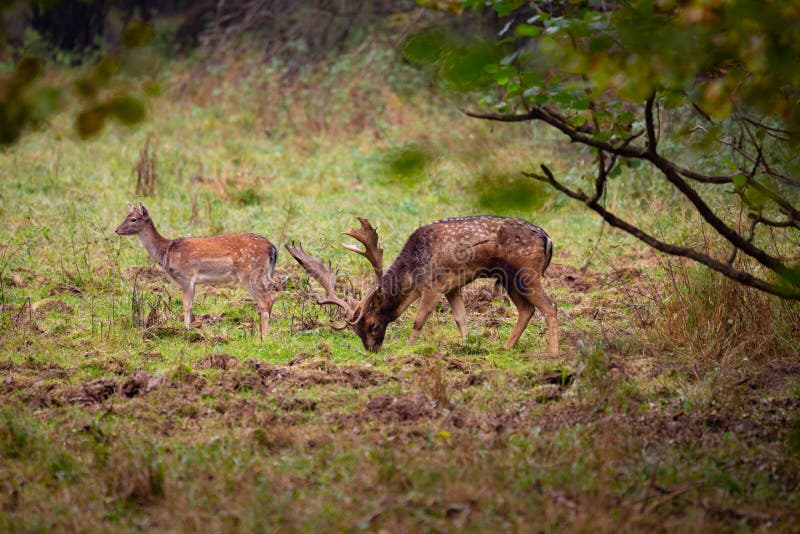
368 236
325 277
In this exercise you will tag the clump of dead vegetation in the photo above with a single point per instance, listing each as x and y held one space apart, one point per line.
146 174
698 313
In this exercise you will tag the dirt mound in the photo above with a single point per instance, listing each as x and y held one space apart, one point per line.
140 383
64 288
294 404
479 299
389 408
92 392
56 305
317 372
217 361
560 274
42 393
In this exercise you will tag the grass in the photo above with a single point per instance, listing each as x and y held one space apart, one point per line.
673 407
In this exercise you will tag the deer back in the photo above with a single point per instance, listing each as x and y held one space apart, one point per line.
220 258
453 252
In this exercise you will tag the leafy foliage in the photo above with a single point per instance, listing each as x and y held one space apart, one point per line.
31 94
665 83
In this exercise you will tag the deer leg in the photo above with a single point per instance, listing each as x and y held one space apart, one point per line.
264 300
545 304
427 303
188 302
524 312
456 301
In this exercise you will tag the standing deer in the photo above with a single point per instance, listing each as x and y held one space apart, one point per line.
440 258
246 258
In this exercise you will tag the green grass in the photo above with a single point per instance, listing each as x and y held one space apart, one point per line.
125 427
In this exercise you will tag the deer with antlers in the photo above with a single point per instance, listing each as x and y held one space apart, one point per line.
243 258
439 259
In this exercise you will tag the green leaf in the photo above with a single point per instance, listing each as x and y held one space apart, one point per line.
91 121
600 43
527 30
633 163
137 33
508 193
106 69
739 180
425 47
406 163
464 68
44 100
127 109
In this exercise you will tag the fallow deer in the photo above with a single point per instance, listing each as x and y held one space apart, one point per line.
243 258
439 259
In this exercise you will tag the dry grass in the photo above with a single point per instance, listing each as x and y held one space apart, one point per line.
714 320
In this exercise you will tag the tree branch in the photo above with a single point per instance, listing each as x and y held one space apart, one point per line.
675 250
669 169
652 141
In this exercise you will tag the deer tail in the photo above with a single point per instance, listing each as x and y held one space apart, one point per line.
273 258
548 252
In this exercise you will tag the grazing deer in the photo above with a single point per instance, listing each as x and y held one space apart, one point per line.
246 258
440 258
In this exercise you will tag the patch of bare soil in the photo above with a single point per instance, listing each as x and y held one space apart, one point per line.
19 277
93 392
22 316
391 408
42 391
217 361
566 276
140 383
56 305
110 364
297 404
316 372
479 299
64 288
207 319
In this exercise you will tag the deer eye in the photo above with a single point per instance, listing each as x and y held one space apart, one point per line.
134 219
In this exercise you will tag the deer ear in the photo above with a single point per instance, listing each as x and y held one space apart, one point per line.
131 207
145 213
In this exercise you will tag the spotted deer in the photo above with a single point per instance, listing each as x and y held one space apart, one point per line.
244 258
439 259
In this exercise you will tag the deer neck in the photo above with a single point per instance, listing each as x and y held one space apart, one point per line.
155 244
398 293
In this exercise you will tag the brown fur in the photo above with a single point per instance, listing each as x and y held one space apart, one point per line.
442 257
245 259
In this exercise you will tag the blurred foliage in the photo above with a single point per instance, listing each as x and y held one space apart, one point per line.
98 91
406 163
716 74
723 56
509 193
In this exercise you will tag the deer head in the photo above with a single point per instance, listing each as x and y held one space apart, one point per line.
137 218
362 316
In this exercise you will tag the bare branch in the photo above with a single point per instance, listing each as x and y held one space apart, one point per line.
736 145
675 250
777 133
652 142
669 169
777 224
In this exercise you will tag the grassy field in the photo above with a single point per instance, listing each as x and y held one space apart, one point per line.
675 404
